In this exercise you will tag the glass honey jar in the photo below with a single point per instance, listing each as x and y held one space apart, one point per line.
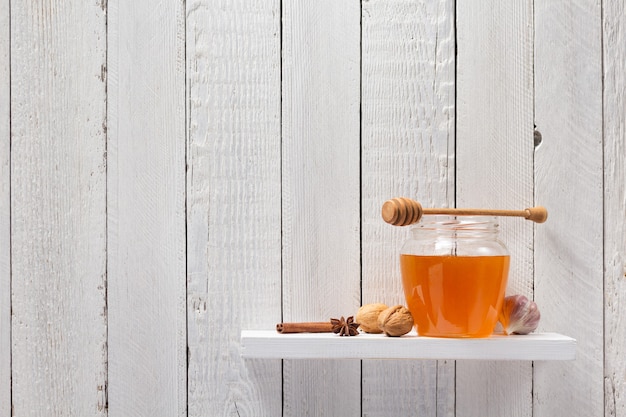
454 274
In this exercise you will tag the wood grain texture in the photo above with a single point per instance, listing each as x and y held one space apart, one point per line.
233 203
5 211
58 208
321 199
614 52
407 150
495 170
146 209
568 180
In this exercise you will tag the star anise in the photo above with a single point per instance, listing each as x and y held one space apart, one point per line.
345 327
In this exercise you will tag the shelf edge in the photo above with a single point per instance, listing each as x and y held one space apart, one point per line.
268 344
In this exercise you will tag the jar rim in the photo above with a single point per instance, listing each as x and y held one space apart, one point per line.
456 223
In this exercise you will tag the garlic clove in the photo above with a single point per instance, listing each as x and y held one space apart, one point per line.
367 317
519 315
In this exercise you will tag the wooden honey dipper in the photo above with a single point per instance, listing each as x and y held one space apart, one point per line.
403 211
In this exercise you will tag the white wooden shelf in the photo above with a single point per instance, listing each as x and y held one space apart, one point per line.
269 344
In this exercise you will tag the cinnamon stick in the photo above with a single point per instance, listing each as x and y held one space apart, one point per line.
305 327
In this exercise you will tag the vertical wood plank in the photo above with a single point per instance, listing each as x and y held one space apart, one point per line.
146 208
58 208
568 180
569 259
321 199
407 150
495 170
614 53
233 203
5 211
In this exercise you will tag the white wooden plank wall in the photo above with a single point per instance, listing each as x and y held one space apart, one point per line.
568 180
407 150
494 157
614 133
58 208
321 196
146 209
233 203
5 211
172 173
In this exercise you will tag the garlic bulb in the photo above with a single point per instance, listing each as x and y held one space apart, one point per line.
519 315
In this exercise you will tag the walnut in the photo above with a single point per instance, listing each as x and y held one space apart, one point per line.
395 321
367 317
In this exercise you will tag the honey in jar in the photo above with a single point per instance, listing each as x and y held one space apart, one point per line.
454 275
